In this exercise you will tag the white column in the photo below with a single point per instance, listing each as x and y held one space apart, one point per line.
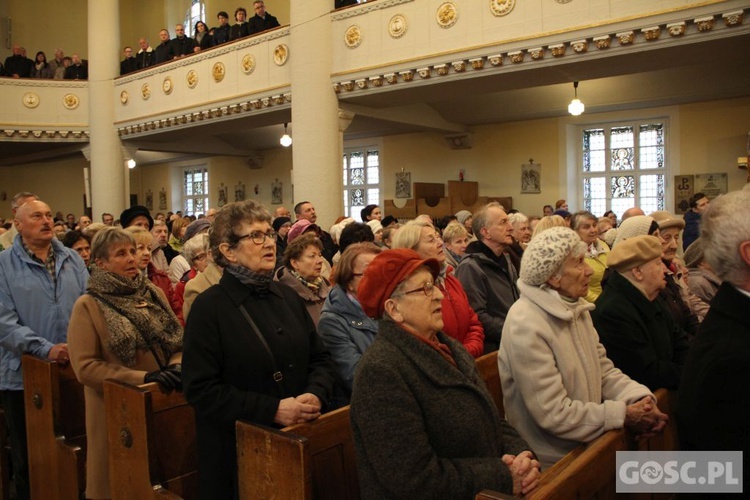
108 173
316 148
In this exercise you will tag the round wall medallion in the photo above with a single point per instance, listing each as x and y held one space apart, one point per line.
447 15
192 78
280 54
503 7
397 26
145 91
218 71
167 86
70 101
124 97
248 64
353 36
30 100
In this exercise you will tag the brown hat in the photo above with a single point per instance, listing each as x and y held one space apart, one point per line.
384 273
667 220
633 252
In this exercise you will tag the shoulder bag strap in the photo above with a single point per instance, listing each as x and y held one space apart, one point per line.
278 377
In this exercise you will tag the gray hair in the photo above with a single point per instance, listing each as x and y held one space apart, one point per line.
577 219
228 220
106 238
409 234
481 217
20 196
517 218
725 225
194 246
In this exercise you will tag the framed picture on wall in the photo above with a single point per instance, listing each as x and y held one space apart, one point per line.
277 193
239 192
149 200
712 185
223 194
683 190
163 199
531 177
403 184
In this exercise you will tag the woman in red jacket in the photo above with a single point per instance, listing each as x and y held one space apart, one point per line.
459 319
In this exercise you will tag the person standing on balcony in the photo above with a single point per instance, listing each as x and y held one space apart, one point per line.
130 63
181 45
220 34
145 56
241 29
77 70
163 52
262 20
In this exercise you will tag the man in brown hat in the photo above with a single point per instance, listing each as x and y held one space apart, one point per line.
640 336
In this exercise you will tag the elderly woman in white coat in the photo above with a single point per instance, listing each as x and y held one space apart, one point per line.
559 387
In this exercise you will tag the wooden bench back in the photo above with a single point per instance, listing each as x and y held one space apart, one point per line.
589 471
56 426
305 461
487 367
153 450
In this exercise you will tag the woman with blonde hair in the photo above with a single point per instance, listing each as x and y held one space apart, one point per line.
586 225
179 226
455 240
459 319
547 222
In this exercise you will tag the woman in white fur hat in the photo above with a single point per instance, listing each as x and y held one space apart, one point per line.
559 387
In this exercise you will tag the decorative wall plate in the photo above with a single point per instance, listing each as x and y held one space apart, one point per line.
70 101
248 64
30 100
167 85
280 54
502 7
192 78
218 71
397 26
124 97
447 15
353 36
145 91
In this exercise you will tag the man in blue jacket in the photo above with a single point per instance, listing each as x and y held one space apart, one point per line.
40 280
698 204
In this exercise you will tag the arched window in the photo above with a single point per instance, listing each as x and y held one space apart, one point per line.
196 12
361 179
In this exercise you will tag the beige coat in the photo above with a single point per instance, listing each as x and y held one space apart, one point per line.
92 364
202 282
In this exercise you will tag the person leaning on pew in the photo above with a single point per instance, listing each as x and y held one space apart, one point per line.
251 349
122 329
424 425
559 387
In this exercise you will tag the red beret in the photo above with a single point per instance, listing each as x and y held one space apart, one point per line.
384 273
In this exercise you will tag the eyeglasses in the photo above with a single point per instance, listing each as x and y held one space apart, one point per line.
426 288
258 237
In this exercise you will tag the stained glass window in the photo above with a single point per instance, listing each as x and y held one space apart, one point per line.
196 12
613 159
361 179
195 191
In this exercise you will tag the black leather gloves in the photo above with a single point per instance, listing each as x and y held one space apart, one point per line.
169 378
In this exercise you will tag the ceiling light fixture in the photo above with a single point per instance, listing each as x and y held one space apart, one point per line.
576 107
286 139
131 163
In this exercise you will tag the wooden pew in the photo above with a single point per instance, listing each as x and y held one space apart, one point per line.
153 450
487 368
589 471
301 462
56 429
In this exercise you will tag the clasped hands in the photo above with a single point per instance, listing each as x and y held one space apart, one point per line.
524 469
644 418
170 378
301 409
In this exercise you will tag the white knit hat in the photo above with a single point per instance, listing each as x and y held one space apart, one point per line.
638 225
462 215
375 225
546 254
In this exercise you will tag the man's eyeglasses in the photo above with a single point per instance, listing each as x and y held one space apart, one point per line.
259 237
427 289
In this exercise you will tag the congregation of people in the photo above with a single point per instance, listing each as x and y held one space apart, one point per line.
269 318
144 55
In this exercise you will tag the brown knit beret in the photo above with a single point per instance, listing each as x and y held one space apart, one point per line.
384 273
633 252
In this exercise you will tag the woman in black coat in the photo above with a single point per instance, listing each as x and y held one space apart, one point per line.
251 351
